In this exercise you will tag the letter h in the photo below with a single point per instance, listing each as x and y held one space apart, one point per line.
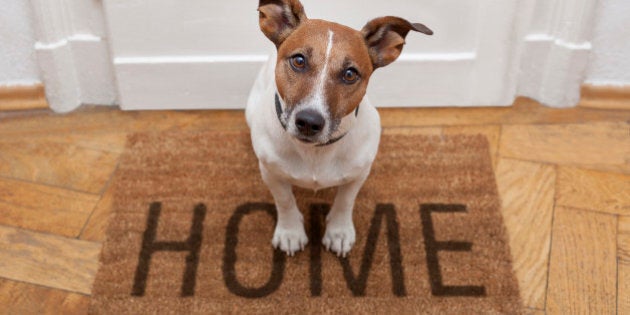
149 246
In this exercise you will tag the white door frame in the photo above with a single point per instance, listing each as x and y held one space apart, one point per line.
556 51
73 53
548 58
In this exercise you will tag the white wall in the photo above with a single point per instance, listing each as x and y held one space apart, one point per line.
610 59
18 65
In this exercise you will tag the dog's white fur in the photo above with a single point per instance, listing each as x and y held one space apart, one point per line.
285 161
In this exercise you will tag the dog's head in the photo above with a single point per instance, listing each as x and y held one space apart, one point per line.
323 68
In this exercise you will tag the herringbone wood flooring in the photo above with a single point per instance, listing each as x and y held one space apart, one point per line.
563 176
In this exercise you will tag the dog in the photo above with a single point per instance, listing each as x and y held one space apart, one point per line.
311 124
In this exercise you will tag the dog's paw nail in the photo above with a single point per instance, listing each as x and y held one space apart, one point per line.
290 241
339 240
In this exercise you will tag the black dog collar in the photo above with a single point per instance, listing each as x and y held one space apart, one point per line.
284 126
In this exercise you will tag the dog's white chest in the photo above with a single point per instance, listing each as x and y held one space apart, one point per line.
313 170
317 180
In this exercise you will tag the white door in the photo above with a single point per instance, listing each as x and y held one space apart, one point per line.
197 54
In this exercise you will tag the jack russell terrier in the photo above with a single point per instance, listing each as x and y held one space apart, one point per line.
311 124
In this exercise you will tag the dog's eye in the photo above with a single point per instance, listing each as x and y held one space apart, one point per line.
350 75
298 62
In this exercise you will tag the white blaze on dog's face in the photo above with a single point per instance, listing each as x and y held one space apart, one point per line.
323 68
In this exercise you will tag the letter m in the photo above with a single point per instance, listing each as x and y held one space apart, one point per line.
357 283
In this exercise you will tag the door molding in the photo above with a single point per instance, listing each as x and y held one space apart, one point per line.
556 52
72 53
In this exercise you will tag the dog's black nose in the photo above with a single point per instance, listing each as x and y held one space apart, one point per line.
309 122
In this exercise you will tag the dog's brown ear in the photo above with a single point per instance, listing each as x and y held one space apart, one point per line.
278 18
385 37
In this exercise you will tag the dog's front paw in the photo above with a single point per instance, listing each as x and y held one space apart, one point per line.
339 238
290 240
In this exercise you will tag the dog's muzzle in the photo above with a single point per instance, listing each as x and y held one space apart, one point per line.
309 123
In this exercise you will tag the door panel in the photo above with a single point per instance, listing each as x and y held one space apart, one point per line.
205 54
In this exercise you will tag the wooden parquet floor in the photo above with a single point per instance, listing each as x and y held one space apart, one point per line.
563 177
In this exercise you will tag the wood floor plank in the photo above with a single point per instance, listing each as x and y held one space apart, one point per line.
524 111
57 164
623 239
109 141
583 265
84 120
98 119
48 260
623 287
44 208
531 311
23 298
527 194
105 141
602 146
97 225
585 189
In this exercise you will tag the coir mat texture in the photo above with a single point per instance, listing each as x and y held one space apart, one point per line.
192 224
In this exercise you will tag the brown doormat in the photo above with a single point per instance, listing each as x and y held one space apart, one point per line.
192 224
